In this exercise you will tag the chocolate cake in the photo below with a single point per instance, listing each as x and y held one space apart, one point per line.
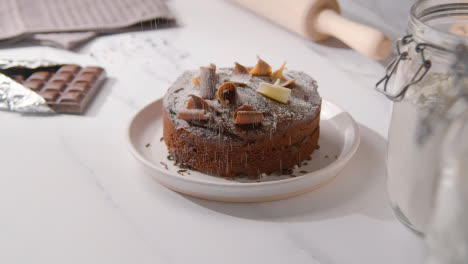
241 121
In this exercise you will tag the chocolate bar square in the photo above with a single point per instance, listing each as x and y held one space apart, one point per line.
71 97
18 78
62 76
71 68
55 86
79 87
89 77
34 84
41 75
92 69
50 95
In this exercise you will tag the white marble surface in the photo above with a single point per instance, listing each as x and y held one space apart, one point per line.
70 191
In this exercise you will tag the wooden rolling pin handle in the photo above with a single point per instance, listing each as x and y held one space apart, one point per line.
368 41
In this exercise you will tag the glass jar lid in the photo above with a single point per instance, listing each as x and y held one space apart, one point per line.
439 22
440 26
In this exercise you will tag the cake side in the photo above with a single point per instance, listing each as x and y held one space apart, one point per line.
273 153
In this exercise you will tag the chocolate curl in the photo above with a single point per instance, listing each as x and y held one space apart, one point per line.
261 69
196 102
193 115
196 81
240 69
244 107
227 94
288 83
208 81
248 117
278 74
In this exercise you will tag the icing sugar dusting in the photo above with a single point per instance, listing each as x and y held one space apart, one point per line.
303 104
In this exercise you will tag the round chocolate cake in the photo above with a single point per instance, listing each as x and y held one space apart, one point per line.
241 121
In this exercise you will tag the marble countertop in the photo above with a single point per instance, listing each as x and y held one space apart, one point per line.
71 192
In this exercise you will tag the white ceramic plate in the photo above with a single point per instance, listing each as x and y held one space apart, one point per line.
339 140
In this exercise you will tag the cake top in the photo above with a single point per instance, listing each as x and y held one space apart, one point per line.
239 102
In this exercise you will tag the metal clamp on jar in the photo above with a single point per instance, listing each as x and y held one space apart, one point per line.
420 82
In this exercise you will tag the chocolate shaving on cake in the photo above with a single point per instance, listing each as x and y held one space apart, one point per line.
248 117
196 102
278 74
239 69
193 115
208 81
244 107
277 77
288 83
196 81
261 69
227 95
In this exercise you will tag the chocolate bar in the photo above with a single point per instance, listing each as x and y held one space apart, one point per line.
66 88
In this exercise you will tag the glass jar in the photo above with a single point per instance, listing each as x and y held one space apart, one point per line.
422 90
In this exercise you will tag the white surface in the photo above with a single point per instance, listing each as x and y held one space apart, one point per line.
339 140
71 192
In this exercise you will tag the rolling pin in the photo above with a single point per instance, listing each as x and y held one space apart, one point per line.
320 19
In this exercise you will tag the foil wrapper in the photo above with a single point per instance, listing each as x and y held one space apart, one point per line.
16 97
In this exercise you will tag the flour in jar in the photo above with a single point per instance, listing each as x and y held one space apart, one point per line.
416 132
